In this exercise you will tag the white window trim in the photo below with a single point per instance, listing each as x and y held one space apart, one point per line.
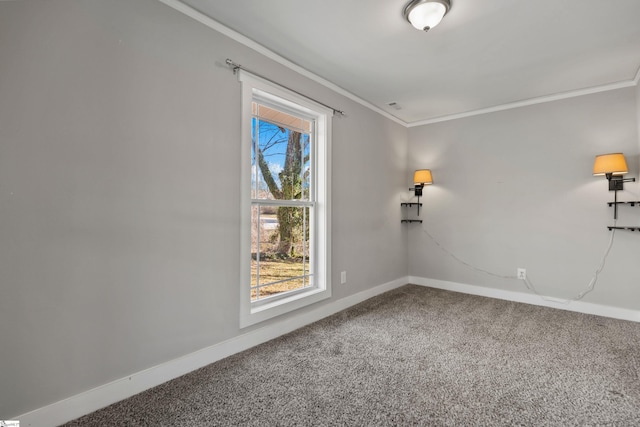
250 313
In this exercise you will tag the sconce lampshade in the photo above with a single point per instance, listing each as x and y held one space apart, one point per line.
613 164
426 14
422 177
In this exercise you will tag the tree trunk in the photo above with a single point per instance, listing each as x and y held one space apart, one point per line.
291 181
289 218
266 174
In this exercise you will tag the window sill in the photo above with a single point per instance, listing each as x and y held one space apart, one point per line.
259 313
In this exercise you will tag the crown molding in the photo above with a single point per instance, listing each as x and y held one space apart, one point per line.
217 26
528 102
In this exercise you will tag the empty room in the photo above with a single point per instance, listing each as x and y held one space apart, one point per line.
334 213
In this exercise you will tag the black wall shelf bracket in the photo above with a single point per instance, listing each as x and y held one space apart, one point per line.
610 227
615 204
410 205
633 203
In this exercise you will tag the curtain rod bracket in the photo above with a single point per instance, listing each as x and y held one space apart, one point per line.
235 67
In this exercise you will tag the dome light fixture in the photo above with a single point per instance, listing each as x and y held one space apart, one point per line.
426 14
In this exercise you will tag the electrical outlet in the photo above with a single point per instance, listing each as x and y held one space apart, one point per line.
343 277
522 273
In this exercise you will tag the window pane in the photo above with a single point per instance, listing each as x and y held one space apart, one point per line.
280 158
265 229
280 249
257 237
279 275
306 168
280 118
278 288
255 176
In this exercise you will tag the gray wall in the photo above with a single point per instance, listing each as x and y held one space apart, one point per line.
515 189
638 115
119 206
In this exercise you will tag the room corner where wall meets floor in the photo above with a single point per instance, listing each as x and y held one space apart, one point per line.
413 356
92 400
120 192
529 298
118 201
514 189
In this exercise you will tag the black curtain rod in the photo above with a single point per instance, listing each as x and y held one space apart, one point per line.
237 67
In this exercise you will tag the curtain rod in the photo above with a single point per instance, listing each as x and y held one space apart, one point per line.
237 67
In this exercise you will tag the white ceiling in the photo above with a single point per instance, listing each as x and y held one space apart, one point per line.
484 53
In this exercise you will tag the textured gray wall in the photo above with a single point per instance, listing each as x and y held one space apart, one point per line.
515 189
119 155
638 115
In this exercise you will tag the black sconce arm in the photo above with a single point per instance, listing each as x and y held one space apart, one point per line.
616 181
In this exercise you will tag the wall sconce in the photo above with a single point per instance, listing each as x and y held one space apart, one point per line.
421 177
426 14
612 166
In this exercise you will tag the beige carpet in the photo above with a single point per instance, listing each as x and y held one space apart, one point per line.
413 356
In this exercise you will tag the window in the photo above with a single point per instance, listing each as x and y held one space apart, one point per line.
285 201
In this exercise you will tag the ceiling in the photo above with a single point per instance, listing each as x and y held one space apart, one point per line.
484 54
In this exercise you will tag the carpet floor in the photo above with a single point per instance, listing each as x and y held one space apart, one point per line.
413 356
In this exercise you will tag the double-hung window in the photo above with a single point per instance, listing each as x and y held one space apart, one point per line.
285 201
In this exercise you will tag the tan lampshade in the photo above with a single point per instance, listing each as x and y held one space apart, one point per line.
613 163
422 176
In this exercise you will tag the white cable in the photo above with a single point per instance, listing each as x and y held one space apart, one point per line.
527 282
465 263
592 282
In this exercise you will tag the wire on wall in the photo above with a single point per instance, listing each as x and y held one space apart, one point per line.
527 281
466 264
592 283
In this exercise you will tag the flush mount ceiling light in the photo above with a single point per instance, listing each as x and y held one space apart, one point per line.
426 14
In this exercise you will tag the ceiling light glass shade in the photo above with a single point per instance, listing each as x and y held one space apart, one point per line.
613 163
426 14
422 176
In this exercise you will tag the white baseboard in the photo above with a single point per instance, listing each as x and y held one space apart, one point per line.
99 397
577 306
